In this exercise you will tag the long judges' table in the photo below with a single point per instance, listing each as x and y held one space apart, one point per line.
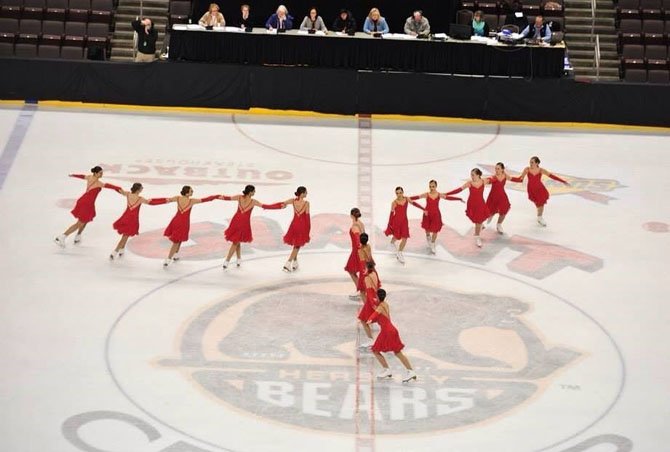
365 52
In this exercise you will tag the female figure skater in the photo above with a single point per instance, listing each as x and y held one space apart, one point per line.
298 232
364 258
178 229
432 217
84 209
355 230
128 225
497 201
398 226
388 339
477 210
372 283
239 229
537 192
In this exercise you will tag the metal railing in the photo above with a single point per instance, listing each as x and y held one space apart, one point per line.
596 57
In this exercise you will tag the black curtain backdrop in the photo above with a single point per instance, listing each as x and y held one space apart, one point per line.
334 91
439 13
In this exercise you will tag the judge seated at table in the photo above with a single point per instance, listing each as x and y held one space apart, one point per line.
212 18
537 31
280 20
479 27
345 22
417 25
313 22
375 23
245 17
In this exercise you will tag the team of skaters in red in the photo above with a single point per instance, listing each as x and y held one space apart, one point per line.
360 265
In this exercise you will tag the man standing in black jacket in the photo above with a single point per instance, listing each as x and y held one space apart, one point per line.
146 40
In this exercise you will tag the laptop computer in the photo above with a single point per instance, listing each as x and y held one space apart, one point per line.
460 31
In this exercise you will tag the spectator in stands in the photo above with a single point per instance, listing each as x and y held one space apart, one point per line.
313 22
280 20
375 23
516 16
538 31
212 18
245 17
479 27
345 22
146 40
417 25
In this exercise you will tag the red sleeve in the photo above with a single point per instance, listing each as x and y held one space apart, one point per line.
78 176
555 177
157 201
226 198
516 179
112 187
373 316
416 204
415 197
275 206
453 198
453 192
209 198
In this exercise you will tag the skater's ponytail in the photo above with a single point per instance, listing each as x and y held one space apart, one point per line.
96 169
185 189
300 191
248 189
364 238
370 265
356 213
136 187
381 294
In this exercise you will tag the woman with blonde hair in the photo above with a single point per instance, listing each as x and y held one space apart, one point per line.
212 18
375 23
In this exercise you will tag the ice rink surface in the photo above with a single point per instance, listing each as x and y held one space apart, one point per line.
545 339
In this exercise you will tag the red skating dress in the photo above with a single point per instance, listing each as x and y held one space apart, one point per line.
84 209
537 192
353 262
177 230
398 225
498 202
370 304
432 220
239 229
129 223
363 272
388 339
477 210
298 232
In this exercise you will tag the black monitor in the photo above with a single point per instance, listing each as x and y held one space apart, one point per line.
460 31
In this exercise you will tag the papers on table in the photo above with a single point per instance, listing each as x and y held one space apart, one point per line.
398 36
316 33
233 29
271 32
194 27
440 35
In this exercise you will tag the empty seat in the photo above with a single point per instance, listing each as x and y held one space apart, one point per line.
656 76
52 32
653 31
556 24
635 75
656 56
6 49
78 10
25 50
552 8
628 9
651 9
11 8
488 7
75 34
9 28
531 7
101 11
72 53
33 9
97 35
463 17
468 4
630 31
179 12
55 10
29 31
48 51
492 21
632 57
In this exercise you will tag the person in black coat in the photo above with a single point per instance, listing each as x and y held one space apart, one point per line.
245 17
345 22
146 40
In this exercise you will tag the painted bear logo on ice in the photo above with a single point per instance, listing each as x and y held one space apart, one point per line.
287 353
